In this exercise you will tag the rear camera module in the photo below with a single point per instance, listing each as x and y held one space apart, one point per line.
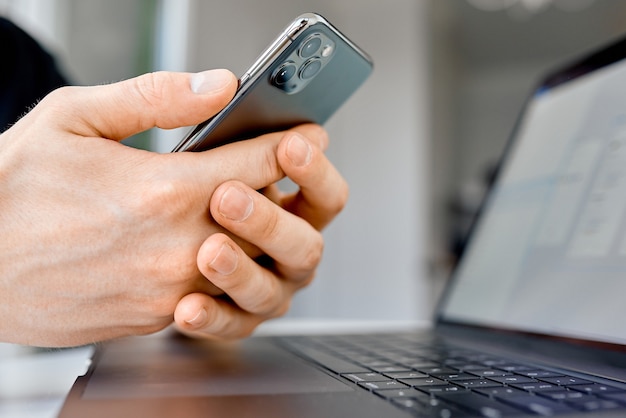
303 62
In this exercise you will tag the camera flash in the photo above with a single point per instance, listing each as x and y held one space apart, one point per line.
327 50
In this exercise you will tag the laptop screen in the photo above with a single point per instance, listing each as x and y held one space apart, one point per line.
548 254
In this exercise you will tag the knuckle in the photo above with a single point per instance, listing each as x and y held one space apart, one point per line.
54 106
177 271
149 88
314 132
281 310
220 326
306 281
215 323
173 274
218 329
154 311
267 299
272 310
341 198
59 95
270 227
271 164
265 303
162 196
313 256
321 135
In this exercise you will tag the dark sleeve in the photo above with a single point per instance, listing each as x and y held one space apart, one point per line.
27 73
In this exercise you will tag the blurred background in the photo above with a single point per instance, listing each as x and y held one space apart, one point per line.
418 143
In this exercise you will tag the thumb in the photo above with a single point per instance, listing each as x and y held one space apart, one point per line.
162 99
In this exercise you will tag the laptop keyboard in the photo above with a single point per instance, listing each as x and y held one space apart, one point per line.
433 379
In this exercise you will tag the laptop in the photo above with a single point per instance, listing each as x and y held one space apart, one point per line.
532 322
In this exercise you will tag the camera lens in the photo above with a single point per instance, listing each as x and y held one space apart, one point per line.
310 46
284 73
310 68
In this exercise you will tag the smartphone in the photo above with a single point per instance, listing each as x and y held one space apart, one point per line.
306 74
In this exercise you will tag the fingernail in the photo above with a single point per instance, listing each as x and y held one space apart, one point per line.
236 205
225 261
199 319
210 81
298 151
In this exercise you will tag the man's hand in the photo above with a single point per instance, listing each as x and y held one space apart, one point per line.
284 227
100 240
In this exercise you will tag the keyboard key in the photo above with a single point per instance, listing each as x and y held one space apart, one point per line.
477 383
512 380
470 366
565 395
425 381
595 405
501 391
423 365
449 388
537 387
366 377
402 393
454 363
537 405
479 404
489 373
391 384
454 376
597 388
618 397
406 375
494 362
436 370
514 367
390 369
538 374
403 360
566 381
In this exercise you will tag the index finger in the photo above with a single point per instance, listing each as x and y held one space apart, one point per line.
323 191
253 161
